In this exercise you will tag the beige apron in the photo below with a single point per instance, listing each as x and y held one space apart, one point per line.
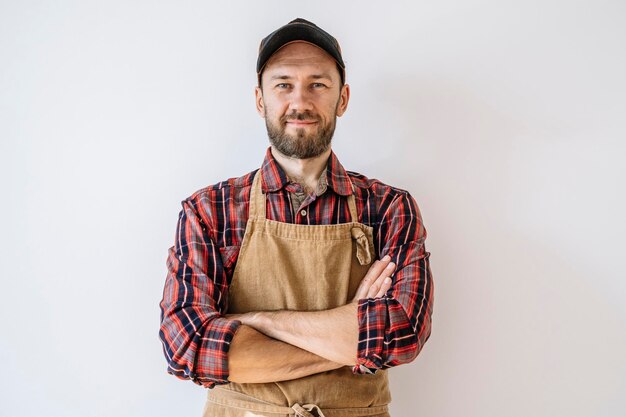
315 268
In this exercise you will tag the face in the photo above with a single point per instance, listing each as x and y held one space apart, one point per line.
300 99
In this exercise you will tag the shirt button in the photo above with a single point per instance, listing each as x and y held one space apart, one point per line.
303 212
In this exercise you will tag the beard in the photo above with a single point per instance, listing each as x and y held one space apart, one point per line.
303 145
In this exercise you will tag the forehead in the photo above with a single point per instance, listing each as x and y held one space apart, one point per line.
297 55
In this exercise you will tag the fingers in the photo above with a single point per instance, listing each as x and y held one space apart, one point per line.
384 288
372 274
377 281
382 283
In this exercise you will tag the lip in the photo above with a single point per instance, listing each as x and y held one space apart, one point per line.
301 123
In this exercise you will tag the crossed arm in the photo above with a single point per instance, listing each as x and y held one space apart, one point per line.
203 345
300 341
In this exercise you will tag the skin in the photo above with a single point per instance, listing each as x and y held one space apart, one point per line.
302 78
293 336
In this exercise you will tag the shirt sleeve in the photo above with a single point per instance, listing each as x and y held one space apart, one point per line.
194 333
394 328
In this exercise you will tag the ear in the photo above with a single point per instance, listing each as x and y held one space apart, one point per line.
344 97
260 106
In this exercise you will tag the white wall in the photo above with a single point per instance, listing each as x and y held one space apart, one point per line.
504 119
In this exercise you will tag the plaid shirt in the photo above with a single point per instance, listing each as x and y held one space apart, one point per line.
211 226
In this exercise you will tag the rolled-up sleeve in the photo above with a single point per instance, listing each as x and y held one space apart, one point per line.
193 331
394 328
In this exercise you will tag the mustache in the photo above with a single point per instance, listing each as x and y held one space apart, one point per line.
307 115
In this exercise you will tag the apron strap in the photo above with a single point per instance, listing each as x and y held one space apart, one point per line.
354 217
306 410
248 405
257 198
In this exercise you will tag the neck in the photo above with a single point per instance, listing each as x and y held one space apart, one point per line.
305 171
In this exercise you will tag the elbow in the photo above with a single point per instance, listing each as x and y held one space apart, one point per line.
198 352
418 339
176 351
402 347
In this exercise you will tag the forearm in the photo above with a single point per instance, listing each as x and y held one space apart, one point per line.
254 357
394 329
331 334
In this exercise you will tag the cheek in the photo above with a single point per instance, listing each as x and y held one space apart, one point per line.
274 107
330 111
270 112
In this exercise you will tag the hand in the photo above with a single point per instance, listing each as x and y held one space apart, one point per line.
377 281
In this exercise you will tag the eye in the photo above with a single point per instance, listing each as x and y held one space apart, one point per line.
283 86
318 85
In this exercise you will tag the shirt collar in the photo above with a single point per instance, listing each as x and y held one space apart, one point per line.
274 178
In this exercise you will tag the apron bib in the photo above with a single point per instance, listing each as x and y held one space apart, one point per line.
283 266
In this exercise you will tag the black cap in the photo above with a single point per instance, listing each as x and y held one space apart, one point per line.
299 30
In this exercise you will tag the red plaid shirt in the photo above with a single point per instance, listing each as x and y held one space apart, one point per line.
211 225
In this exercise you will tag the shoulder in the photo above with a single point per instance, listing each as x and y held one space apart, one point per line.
384 202
375 187
231 191
229 185
389 205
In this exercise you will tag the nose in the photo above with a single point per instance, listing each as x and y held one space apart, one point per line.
300 100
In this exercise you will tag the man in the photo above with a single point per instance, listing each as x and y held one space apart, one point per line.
291 289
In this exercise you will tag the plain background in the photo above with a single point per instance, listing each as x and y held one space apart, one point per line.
505 120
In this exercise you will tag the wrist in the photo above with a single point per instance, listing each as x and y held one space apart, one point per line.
253 319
